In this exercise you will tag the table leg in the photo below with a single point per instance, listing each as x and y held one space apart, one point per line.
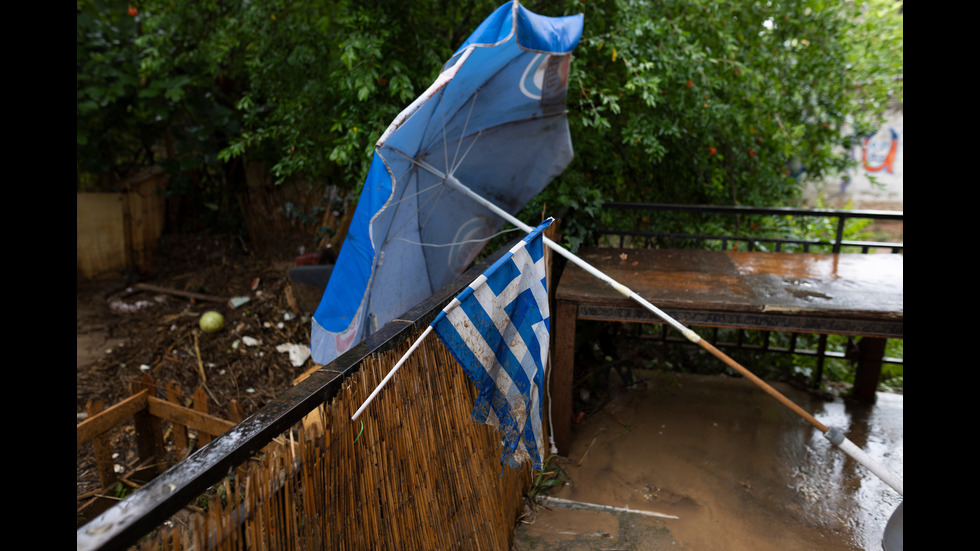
871 350
563 367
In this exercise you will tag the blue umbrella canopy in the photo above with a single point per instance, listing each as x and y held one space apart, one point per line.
495 122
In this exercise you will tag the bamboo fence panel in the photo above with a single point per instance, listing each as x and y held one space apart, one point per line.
414 472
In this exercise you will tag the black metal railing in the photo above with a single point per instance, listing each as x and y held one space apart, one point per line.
777 229
765 228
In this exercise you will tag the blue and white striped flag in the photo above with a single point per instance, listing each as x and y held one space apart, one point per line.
498 330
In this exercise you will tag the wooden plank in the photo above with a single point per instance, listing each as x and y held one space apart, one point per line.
190 418
102 448
120 230
235 412
147 216
111 417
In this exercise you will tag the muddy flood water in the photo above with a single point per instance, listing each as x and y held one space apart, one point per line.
715 463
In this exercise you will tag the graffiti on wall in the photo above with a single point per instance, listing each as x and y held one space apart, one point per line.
875 175
878 151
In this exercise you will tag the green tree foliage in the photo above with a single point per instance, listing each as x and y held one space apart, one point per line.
670 101
326 78
702 102
156 85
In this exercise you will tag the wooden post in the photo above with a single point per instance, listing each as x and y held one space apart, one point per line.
235 412
551 232
201 404
103 448
562 374
149 436
175 395
870 352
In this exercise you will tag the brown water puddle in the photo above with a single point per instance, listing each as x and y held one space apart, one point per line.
737 469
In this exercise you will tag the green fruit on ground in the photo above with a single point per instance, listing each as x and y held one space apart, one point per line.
212 321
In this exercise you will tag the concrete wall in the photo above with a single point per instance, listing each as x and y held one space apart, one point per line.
877 181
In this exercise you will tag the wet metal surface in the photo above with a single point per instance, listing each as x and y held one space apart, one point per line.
739 471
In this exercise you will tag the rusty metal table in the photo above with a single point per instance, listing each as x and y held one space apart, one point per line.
858 295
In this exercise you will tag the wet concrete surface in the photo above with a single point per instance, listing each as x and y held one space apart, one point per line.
715 463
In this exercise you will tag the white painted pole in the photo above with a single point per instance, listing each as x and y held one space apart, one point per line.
626 291
390 374
837 438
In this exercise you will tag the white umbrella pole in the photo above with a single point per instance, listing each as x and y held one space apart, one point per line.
845 445
626 291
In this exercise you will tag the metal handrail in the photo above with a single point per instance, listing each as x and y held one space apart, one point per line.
837 245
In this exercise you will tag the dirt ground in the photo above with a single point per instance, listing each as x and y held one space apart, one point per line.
124 331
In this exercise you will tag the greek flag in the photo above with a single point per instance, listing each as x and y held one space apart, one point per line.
498 330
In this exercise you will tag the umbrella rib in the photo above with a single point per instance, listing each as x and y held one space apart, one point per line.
467 152
456 160
428 201
521 120
419 163
476 136
452 243
436 172
429 168
445 145
432 198
404 198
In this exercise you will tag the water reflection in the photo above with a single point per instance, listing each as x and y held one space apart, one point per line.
737 468
846 495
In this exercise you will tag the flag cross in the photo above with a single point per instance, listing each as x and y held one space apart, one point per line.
498 329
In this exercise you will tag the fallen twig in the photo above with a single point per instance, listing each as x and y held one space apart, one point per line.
187 294
582 505
200 364
589 447
617 419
